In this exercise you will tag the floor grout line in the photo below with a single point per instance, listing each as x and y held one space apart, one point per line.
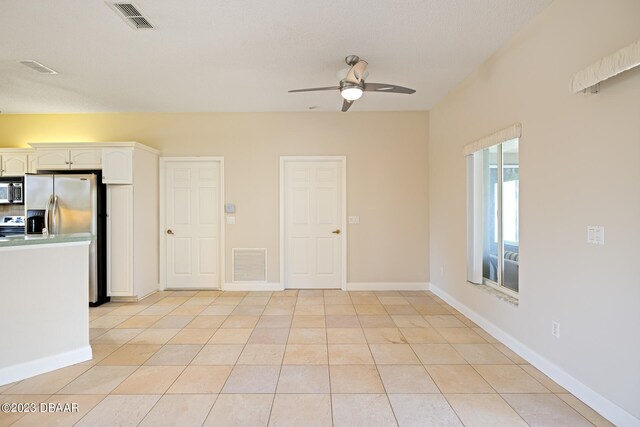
279 371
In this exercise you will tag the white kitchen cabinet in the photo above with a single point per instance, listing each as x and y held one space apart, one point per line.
52 159
85 158
75 158
14 164
132 227
130 171
120 241
33 163
117 165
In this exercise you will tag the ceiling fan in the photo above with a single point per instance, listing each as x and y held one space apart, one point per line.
352 84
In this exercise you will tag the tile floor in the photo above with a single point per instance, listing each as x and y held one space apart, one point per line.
295 358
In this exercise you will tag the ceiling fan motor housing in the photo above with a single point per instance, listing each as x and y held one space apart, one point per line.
347 85
352 60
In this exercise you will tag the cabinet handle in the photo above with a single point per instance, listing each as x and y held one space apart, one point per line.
67 163
170 232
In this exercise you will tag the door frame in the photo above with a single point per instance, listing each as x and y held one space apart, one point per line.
343 214
163 207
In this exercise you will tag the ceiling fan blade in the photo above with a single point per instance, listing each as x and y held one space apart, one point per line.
383 87
315 89
346 105
356 73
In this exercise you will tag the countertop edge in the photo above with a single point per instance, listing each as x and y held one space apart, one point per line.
51 240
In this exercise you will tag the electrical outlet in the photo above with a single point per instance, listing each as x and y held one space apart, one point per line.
441 271
555 329
595 234
354 220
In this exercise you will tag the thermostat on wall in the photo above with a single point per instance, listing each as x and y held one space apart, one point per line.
230 208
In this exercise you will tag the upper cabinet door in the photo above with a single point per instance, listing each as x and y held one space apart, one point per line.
52 159
14 165
86 158
117 165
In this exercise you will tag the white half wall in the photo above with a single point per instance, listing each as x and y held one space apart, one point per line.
44 308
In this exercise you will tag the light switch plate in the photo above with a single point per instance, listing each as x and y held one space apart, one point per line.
354 220
231 219
595 234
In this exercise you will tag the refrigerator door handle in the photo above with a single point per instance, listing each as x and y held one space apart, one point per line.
55 224
46 215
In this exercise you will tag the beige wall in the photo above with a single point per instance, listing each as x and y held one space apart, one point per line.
11 210
580 165
386 172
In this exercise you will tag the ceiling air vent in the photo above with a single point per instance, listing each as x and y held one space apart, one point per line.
131 15
35 65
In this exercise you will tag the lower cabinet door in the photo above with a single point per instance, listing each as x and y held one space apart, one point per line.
120 240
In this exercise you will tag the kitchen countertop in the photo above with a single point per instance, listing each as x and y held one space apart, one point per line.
37 239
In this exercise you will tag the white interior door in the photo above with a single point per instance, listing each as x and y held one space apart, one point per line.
313 220
192 220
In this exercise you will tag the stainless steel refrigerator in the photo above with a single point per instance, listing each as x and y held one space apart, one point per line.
65 203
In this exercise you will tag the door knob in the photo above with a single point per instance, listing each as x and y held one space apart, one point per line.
170 232
336 231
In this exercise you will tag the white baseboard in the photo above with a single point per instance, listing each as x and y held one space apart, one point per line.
116 298
150 293
314 287
252 287
124 299
46 364
599 403
387 286
353 286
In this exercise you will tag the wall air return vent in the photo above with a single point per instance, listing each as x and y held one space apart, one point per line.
35 65
131 15
249 265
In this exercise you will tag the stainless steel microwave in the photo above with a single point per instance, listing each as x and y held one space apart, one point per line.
11 191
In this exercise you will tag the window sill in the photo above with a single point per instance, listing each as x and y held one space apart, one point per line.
496 293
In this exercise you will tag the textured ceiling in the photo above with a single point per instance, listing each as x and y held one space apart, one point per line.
243 55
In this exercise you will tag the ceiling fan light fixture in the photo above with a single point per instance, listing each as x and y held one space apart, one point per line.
352 83
351 93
